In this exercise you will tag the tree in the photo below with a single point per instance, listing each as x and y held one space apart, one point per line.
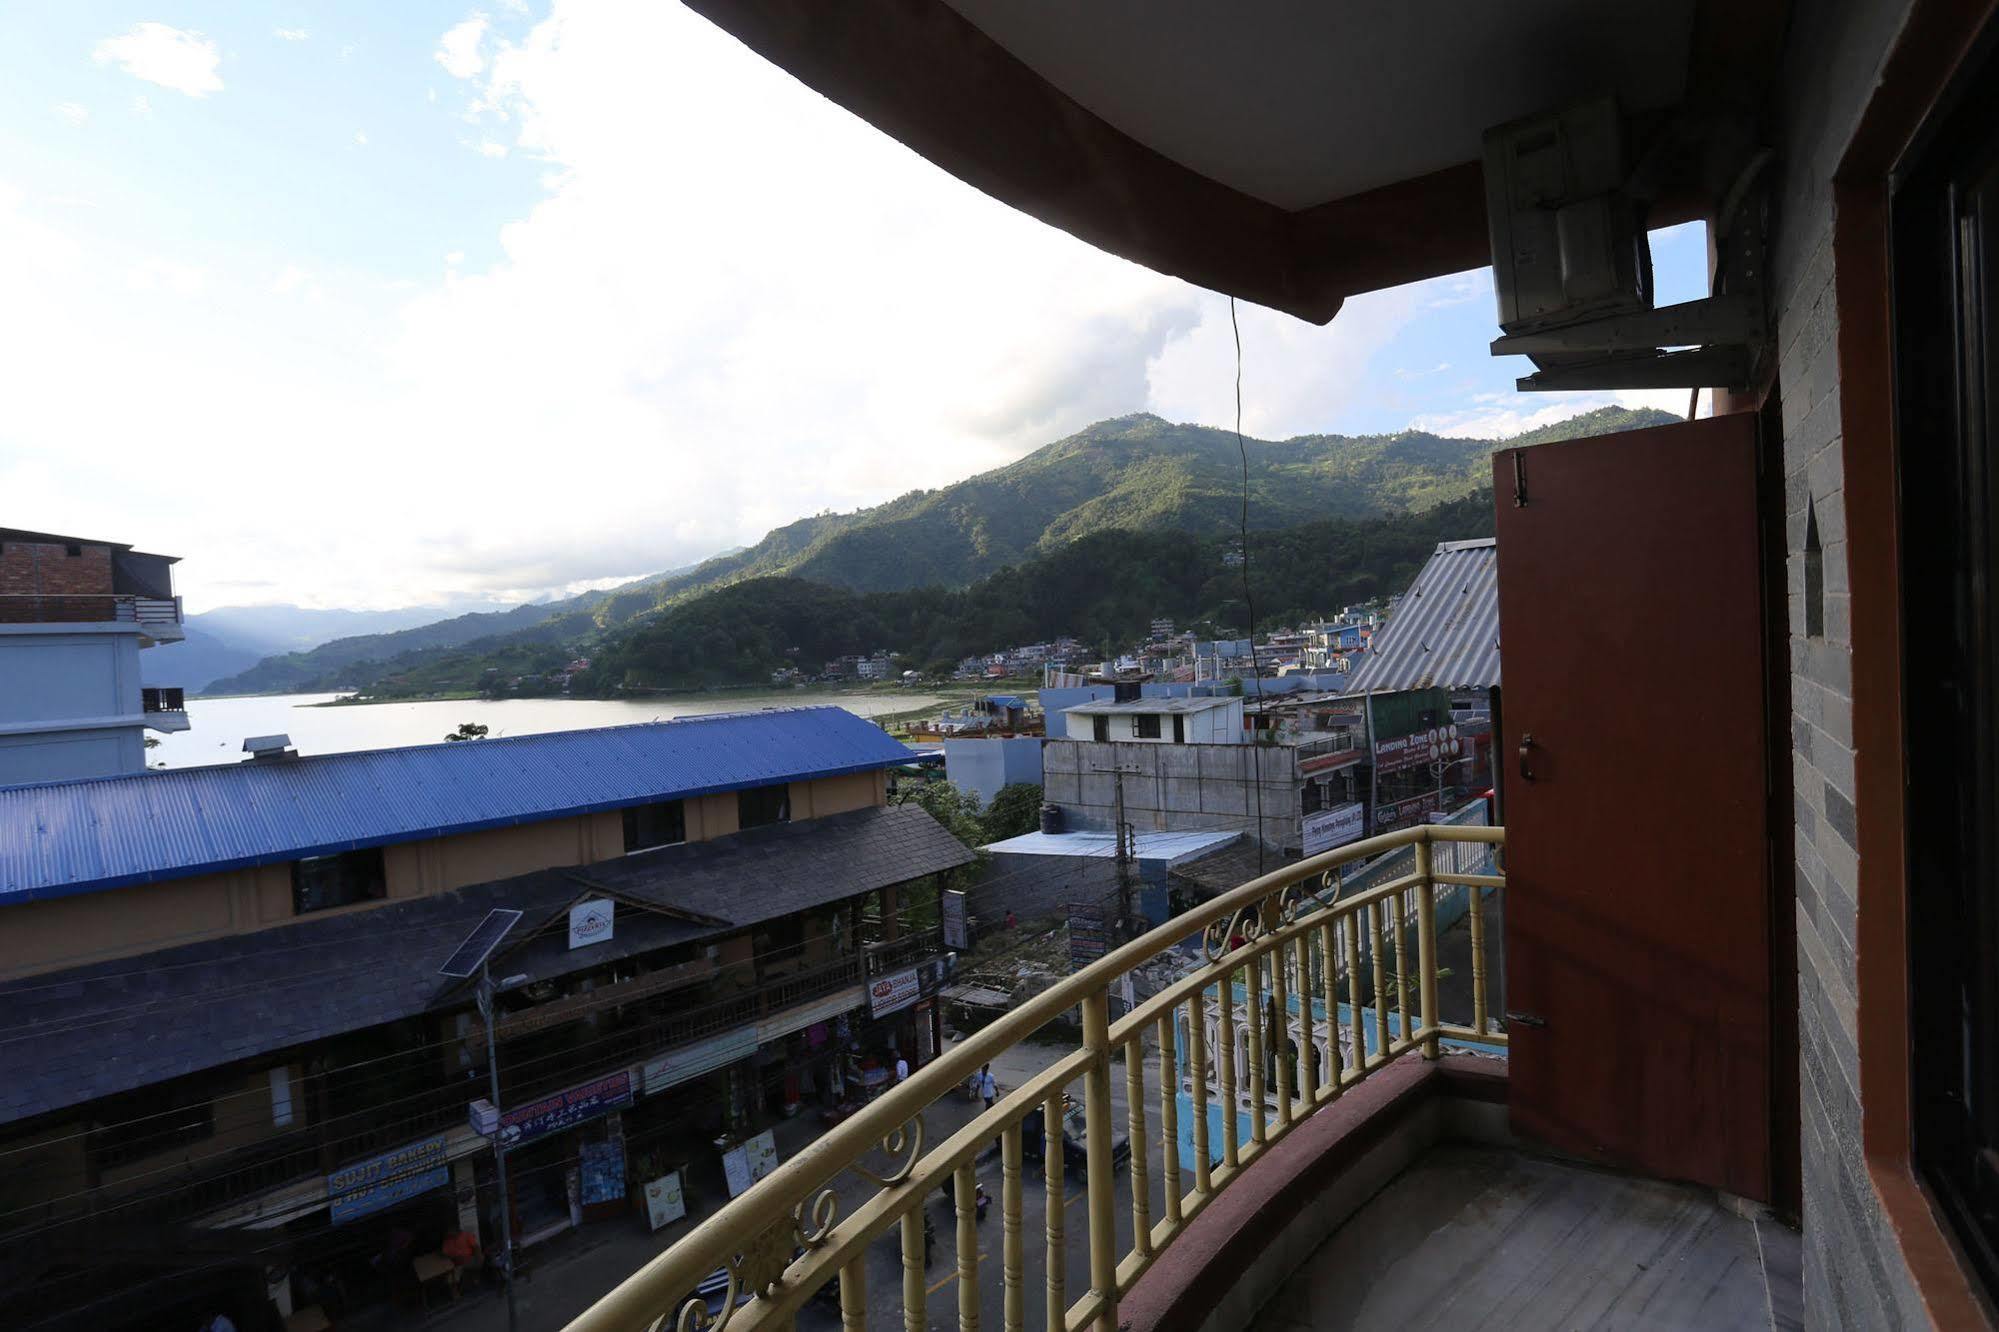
958 811
1015 810
468 731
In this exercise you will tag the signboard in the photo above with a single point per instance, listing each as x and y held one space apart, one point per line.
602 1165
368 1186
565 1110
665 1202
745 1165
894 992
1402 752
954 919
1088 940
1328 828
691 1061
1403 813
591 922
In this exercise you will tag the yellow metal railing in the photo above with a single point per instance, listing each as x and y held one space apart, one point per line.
1287 935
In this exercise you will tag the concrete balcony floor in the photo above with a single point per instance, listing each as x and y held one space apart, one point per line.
1471 1235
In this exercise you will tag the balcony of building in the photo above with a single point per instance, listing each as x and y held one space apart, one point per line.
159 619
1348 1164
165 707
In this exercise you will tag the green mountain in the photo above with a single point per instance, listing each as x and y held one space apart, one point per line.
1133 474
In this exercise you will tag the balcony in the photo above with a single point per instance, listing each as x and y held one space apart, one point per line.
165 708
1325 1168
159 618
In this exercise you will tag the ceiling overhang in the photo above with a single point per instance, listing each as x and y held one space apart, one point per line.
1288 153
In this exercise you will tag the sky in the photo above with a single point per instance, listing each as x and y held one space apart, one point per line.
386 305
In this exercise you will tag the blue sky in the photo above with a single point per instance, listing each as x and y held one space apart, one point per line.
378 305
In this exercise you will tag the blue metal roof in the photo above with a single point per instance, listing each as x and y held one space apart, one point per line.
80 836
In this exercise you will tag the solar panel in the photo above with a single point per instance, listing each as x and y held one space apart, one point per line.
480 943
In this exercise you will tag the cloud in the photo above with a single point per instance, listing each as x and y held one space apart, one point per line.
1504 415
361 137
183 61
76 113
290 34
142 105
458 50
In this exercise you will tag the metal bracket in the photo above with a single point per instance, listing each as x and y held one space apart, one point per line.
1734 319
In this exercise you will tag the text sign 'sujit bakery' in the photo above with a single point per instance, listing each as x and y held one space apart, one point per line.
565 1110
368 1186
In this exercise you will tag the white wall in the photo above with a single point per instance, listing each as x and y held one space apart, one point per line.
69 703
1210 726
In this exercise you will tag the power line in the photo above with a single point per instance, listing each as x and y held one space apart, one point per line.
1248 602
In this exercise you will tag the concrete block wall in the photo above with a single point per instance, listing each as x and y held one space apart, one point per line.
1176 788
1853 1274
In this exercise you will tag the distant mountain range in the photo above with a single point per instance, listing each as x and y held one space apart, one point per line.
1130 474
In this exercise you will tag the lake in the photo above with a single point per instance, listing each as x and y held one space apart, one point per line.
221 724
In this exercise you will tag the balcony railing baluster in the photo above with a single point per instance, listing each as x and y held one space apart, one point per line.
1169 1120
1280 1007
1054 1163
1253 1010
1231 1098
966 1192
1197 1065
1141 1147
1012 1249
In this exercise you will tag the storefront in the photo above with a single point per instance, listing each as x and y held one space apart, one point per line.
566 1158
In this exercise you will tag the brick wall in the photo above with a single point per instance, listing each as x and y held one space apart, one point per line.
1853 1274
67 587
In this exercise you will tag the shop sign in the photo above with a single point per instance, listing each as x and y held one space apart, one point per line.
1328 828
691 1061
894 992
565 1110
1401 813
1088 939
591 922
954 919
744 1165
368 1186
665 1202
1401 752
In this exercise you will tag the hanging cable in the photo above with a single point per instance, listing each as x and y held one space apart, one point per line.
1249 604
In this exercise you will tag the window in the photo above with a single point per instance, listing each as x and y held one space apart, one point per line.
1946 311
1100 729
1814 575
662 824
1179 729
158 1119
1147 725
763 805
321 882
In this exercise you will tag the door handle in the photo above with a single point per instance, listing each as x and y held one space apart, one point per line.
1527 757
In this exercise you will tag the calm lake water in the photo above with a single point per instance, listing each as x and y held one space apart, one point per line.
220 724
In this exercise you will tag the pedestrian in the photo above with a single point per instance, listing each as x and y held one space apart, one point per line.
980 1201
901 1067
1012 920
986 1087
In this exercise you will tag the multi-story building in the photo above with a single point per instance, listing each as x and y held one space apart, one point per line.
74 616
252 1042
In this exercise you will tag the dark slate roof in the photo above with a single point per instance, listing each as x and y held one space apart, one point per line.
80 836
77 1035
1445 629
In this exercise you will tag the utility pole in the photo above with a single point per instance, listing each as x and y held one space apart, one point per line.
1126 851
499 1147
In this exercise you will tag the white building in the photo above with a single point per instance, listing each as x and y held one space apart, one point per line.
74 615
1174 721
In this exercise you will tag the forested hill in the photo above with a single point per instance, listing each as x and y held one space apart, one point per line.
1104 589
1133 474
1130 474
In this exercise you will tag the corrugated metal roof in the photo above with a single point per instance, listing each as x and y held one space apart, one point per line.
80 836
1445 630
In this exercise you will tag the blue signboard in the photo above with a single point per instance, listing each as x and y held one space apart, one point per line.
565 1110
602 1166
368 1186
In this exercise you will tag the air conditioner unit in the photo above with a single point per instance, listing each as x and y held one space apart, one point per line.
1572 269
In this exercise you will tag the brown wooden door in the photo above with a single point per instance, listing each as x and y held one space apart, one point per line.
1637 915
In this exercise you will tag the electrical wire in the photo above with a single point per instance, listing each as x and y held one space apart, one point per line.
1248 602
